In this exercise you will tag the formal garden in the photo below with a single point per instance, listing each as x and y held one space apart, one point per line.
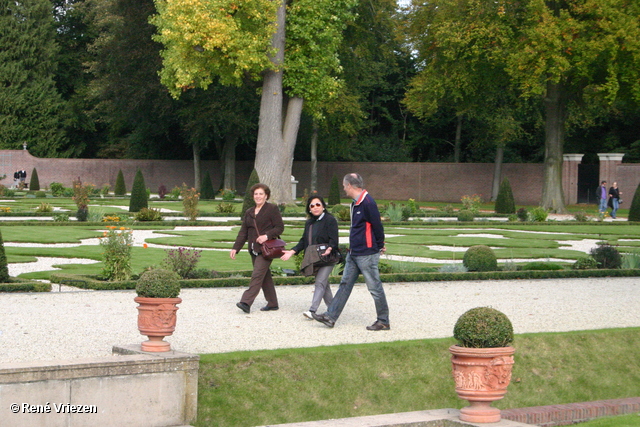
425 242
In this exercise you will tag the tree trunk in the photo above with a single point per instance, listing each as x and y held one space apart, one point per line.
277 132
229 162
314 158
456 147
196 166
552 194
497 172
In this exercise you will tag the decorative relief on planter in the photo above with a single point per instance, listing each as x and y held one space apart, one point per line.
491 374
161 316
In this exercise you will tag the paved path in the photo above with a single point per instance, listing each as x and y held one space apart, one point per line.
69 325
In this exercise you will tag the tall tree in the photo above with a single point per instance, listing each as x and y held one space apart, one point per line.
235 41
571 53
73 34
140 116
31 109
564 54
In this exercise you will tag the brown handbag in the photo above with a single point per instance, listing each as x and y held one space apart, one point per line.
271 249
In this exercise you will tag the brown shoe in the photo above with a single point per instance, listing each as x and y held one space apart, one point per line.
378 326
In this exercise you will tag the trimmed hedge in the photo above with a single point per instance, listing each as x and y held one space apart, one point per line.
206 188
120 188
334 192
25 287
505 203
90 282
138 193
34 182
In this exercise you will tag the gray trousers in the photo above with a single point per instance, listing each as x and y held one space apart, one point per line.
322 290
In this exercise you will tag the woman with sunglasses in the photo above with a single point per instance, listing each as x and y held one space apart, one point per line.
320 228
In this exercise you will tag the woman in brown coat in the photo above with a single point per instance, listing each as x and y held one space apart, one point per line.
266 217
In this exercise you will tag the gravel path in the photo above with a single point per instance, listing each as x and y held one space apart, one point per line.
70 325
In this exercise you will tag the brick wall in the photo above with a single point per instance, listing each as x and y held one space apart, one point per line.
438 182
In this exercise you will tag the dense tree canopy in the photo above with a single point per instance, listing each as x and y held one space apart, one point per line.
31 108
444 80
570 55
292 47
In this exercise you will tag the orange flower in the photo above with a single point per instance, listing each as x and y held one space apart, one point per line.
122 228
144 245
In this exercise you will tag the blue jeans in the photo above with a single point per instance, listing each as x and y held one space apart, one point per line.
368 266
603 205
616 205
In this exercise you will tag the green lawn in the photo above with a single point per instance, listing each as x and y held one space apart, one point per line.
293 385
511 241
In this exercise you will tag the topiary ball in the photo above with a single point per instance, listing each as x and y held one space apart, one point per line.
483 327
158 283
480 258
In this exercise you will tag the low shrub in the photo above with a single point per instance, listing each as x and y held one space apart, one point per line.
448 209
162 191
175 192
541 265
397 213
61 217
44 207
606 256
181 260
538 214
341 212
480 258
471 203
585 263
465 215
581 216
228 195
57 189
225 208
523 214
148 214
40 194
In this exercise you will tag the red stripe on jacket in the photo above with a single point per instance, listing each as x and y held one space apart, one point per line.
369 235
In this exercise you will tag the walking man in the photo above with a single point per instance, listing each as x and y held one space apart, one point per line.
366 241
603 196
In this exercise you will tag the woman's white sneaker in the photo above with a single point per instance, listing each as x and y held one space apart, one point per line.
308 315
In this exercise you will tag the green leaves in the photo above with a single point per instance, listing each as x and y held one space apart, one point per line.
206 38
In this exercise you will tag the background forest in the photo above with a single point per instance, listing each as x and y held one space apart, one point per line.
81 79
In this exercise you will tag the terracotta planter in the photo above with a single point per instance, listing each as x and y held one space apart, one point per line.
156 320
482 376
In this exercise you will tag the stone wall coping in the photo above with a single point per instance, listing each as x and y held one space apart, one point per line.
126 361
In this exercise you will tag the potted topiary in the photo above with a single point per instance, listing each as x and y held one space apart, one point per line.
482 362
157 291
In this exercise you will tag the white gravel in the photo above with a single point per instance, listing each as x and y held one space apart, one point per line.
78 324
70 325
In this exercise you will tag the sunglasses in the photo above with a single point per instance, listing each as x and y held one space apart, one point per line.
315 205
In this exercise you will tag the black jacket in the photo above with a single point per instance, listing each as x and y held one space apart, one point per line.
325 230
